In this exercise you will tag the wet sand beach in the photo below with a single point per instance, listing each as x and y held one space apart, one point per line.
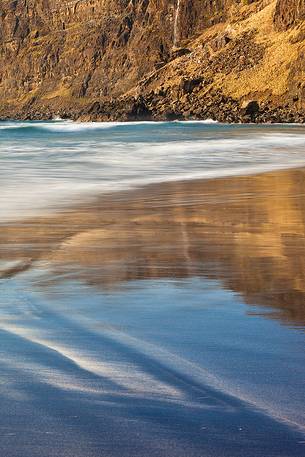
166 320
245 231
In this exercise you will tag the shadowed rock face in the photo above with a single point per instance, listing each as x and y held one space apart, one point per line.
94 48
197 15
86 48
288 13
248 232
72 54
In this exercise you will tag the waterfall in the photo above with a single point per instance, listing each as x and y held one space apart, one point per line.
177 16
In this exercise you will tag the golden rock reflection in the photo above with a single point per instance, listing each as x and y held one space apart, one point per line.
248 232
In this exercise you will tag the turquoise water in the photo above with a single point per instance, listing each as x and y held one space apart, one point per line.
166 360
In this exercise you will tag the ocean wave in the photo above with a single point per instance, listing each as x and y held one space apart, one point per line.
60 126
38 171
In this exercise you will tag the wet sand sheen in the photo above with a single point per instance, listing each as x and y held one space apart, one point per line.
247 231
85 291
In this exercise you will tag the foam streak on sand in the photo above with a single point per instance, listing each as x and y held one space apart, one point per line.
121 374
185 377
126 366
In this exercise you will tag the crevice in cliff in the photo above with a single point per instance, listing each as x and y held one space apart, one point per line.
176 23
144 54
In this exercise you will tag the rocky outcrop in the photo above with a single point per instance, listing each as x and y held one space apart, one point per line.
158 59
288 13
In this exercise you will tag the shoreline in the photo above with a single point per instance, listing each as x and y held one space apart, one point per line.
161 120
92 199
242 149
87 115
154 107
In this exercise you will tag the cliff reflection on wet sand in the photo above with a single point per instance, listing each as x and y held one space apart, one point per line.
248 232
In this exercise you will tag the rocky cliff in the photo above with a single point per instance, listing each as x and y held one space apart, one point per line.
233 60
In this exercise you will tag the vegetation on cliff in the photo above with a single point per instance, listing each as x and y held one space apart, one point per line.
233 60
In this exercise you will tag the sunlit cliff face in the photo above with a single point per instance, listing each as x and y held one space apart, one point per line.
247 232
71 52
81 48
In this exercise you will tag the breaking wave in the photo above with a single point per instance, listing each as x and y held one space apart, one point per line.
45 164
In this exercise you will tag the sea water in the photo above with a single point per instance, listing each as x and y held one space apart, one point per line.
166 359
47 164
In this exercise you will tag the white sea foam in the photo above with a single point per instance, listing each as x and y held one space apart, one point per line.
62 126
48 164
70 126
